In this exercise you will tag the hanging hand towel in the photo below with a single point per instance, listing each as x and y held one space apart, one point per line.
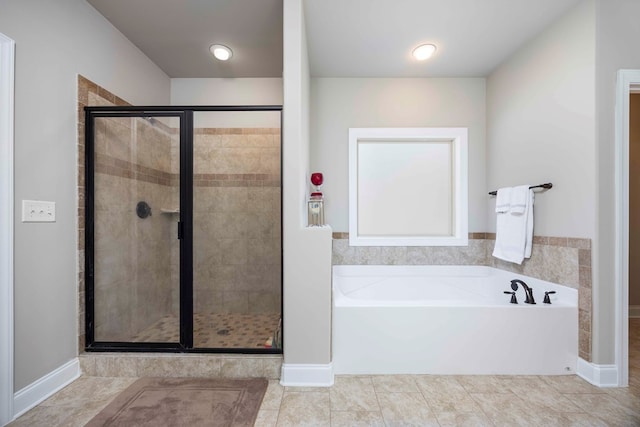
503 199
514 229
519 199
529 245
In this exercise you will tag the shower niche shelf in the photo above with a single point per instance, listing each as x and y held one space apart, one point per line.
170 210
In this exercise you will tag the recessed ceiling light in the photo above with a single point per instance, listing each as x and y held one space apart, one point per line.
221 52
424 51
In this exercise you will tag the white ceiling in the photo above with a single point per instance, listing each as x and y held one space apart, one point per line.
346 38
176 34
374 38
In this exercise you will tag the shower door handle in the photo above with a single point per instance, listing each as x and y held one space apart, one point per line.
179 230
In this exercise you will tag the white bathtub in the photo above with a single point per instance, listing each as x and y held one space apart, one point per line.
449 320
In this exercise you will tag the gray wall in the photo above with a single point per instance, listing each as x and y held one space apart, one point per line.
242 91
54 42
307 250
541 127
340 103
540 124
618 33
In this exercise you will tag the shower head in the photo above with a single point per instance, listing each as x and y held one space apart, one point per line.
151 120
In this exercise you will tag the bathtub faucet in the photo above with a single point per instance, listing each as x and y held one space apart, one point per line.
527 290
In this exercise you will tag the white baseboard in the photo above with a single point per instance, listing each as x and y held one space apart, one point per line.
306 375
634 311
44 387
598 375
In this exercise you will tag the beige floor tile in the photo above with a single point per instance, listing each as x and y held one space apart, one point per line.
273 396
406 409
353 394
607 408
356 419
627 396
446 394
546 397
463 419
395 384
518 383
266 418
89 389
43 416
579 420
62 416
526 420
619 420
483 383
507 409
80 416
304 409
570 384
308 389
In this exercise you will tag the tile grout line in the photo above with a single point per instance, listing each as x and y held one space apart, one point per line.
379 405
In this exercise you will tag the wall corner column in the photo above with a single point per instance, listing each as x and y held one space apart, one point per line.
306 250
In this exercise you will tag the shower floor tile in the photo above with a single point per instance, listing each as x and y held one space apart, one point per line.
216 330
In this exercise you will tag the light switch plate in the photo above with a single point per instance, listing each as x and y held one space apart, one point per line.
38 211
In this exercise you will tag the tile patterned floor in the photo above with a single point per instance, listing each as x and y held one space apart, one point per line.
400 400
216 330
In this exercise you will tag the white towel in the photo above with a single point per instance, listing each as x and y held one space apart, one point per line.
503 199
529 245
519 199
514 229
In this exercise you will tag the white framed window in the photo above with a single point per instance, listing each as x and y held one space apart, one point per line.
408 187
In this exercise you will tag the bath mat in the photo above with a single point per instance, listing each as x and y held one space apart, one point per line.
185 402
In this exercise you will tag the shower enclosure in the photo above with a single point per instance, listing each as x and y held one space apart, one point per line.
183 229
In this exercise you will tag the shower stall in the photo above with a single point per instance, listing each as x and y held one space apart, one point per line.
183 229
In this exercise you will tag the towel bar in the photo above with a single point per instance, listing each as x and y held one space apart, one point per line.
546 186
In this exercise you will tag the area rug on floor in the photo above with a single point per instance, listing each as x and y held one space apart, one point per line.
185 402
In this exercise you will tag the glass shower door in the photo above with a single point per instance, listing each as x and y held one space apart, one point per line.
183 229
237 255
136 199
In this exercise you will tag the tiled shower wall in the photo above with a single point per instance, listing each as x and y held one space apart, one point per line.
566 261
236 248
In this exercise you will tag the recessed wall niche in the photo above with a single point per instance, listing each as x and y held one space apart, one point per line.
408 187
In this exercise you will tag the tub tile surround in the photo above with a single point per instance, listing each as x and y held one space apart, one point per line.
562 260
343 254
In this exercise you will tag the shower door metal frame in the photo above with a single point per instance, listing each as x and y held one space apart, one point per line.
184 231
